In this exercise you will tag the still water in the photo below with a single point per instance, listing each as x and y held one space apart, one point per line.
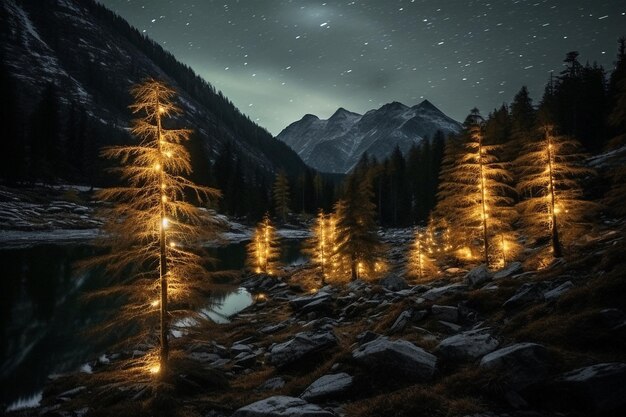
42 317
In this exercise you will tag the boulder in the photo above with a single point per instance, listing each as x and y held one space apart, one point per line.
327 386
511 269
445 313
477 276
299 302
301 345
527 293
523 364
367 336
557 292
436 293
394 283
400 322
598 389
282 406
397 357
468 345
273 384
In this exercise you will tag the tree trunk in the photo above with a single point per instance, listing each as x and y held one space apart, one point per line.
165 348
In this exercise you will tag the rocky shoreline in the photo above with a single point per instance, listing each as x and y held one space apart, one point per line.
471 343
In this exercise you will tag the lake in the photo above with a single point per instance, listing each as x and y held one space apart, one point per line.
42 317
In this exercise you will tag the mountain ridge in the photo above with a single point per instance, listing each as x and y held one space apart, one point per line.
336 144
96 57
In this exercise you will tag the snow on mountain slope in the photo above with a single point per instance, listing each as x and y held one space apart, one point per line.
336 145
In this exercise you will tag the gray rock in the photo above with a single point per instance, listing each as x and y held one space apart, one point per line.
439 292
523 364
445 313
400 322
272 384
397 356
511 269
394 283
356 285
478 276
327 386
238 348
468 345
367 336
282 406
527 293
557 292
299 302
245 359
598 389
301 345
273 328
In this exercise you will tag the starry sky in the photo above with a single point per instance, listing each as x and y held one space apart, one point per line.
280 59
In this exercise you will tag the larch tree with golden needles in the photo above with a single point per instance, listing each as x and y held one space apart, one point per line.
358 244
552 203
322 244
421 264
263 249
153 227
475 194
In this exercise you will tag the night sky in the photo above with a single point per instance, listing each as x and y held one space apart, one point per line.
280 59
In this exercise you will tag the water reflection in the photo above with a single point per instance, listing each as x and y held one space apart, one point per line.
43 320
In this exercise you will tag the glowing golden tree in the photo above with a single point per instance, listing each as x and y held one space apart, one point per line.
552 199
474 193
421 264
320 246
153 227
263 249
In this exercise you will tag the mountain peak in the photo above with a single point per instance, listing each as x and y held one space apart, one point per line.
343 113
309 116
393 106
426 105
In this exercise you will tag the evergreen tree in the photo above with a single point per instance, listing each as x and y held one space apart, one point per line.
552 199
12 157
474 193
321 245
281 195
358 242
263 249
421 265
45 137
154 233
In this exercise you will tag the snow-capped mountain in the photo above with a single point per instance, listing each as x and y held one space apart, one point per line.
336 145
92 57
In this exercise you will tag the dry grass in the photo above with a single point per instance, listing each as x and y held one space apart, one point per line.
413 401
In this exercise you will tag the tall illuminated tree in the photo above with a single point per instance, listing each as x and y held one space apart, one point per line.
421 264
552 198
474 193
263 249
358 243
322 245
153 226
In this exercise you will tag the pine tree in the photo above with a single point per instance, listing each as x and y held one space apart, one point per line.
358 242
421 264
153 230
321 246
263 249
474 194
281 195
552 199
